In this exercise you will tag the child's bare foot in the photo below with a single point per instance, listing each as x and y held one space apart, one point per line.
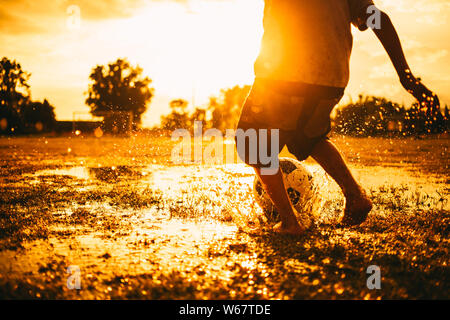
291 229
357 208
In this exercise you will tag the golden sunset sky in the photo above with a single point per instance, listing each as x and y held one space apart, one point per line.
193 48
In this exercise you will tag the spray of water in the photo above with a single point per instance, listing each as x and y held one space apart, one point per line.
322 206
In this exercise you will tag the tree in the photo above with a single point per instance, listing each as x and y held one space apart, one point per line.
372 116
119 87
178 117
17 112
446 119
419 120
221 113
369 116
10 121
199 114
38 117
14 94
226 108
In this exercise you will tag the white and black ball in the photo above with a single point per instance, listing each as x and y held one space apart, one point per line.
299 185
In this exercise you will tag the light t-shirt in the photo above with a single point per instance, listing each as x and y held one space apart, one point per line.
309 40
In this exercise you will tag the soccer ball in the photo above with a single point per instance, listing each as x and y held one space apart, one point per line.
300 187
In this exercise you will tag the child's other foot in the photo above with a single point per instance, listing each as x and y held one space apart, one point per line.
357 208
292 229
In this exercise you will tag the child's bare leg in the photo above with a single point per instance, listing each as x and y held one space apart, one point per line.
358 205
274 186
327 155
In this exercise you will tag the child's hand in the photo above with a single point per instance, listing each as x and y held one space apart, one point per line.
424 96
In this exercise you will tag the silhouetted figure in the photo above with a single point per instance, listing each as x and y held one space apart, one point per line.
300 75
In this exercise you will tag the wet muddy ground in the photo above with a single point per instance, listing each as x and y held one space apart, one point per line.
117 215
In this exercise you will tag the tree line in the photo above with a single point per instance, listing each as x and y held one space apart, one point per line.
368 116
116 90
222 111
119 89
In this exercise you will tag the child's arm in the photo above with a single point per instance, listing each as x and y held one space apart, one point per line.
389 38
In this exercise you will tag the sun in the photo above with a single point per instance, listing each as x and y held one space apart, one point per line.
191 50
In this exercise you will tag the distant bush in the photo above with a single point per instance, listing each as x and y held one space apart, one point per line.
38 117
222 111
375 116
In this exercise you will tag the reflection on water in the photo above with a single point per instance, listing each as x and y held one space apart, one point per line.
106 174
153 219
148 243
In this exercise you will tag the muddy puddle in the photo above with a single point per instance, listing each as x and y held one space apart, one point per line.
113 221
213 188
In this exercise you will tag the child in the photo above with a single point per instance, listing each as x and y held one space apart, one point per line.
300 75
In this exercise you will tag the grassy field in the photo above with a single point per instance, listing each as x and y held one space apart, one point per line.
139 227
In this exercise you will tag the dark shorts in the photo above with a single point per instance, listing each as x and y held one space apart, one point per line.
300 112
